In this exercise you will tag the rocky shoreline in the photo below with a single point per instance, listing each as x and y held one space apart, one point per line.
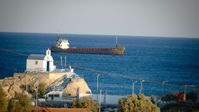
20 81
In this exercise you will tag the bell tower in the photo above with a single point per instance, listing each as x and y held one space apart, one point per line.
48 52
49 61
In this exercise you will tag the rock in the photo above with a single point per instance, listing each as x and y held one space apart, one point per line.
17 84
72 88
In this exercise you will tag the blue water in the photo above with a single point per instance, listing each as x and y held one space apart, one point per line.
153 59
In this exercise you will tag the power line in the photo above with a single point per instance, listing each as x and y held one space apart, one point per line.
115 75
12 51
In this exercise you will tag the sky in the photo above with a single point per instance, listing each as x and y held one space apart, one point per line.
167 18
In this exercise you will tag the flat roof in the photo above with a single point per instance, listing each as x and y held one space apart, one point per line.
49 109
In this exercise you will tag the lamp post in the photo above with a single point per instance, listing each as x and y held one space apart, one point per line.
133 86
163 87
185 90
140 91
100 101
105 93
97 84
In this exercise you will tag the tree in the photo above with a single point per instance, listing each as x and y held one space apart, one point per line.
170 97
86 102
3 100
191 96
42 88
137 103
20 102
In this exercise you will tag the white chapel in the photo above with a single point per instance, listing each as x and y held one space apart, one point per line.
39 62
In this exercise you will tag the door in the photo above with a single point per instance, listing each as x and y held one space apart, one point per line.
48 66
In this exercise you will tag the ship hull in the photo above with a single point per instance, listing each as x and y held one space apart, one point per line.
104 51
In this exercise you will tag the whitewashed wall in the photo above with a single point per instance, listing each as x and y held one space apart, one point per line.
31 66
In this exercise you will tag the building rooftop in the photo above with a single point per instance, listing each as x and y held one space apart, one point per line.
36 57
49 109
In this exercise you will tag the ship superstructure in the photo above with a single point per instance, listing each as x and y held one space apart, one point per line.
62 44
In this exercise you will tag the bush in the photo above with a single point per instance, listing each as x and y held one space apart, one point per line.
20 102
86 102
137 103
191 96
170 97
42 88
3 101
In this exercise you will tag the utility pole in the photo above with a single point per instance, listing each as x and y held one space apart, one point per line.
97 85
133 87
140 91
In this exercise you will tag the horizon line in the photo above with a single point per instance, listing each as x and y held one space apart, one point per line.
110 35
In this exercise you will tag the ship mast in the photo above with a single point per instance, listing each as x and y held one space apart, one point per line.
116 41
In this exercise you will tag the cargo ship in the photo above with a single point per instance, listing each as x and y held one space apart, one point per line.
62 46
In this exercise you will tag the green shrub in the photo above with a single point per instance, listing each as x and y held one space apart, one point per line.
86 102
42 88
20 102
3 101
137 103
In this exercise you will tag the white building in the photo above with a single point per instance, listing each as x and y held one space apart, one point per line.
39 62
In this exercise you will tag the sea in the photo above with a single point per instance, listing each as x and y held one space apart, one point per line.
150 60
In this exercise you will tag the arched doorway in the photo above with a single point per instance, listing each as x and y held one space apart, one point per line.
48 66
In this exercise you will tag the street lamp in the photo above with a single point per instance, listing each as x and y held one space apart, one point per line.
133 86
97 84
140 91
163 87
100 101
185 90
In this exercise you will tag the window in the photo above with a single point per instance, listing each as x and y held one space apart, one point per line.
56 95
36 62
53 95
